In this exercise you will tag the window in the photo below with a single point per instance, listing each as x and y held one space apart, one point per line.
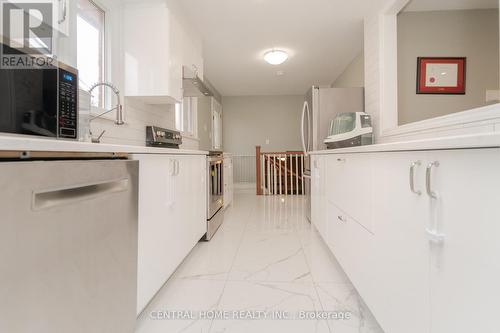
90 48
186 116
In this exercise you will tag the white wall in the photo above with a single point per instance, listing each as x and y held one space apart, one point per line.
372 51
354 74
461 33
249 121
138 115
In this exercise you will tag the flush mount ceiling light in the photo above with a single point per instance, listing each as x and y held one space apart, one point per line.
275 57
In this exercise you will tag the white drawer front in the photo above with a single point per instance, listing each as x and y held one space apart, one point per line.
350 186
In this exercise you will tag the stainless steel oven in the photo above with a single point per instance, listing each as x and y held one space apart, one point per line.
215 191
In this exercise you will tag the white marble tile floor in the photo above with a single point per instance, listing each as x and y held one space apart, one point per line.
264 270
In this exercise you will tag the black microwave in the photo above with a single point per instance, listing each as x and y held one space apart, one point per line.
41 102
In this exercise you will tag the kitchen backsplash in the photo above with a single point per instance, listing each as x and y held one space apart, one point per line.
138 115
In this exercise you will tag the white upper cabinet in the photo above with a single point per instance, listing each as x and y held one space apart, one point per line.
156 46
149 53
65 11
66 31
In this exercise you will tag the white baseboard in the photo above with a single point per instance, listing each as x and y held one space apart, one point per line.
244 187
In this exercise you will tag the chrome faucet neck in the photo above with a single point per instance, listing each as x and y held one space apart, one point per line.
119 108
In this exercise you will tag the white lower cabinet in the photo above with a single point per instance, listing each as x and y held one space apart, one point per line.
318 193
465 264
351 243
172 217
352 176
400 268
430 260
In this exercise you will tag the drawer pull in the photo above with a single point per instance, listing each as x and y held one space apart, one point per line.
341 218
340 159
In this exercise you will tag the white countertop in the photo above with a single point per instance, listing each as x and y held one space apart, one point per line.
488 140
21 143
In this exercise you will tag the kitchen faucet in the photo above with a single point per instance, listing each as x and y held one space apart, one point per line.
118 107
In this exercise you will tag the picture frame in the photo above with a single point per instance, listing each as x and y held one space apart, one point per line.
441 75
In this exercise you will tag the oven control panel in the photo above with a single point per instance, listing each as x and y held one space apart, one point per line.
161 137
68 104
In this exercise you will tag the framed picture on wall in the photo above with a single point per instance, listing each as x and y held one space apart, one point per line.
441 75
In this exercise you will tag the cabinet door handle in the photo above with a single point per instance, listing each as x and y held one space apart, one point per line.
414 165
177 167
341 218
428 180
65 11
172 167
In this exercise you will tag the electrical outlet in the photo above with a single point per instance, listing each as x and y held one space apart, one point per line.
267 141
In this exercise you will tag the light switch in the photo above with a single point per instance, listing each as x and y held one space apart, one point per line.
267 141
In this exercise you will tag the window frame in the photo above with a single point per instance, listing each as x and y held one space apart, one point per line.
105 103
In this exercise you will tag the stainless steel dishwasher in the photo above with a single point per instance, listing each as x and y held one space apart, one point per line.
68 246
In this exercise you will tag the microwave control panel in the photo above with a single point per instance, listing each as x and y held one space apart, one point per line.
68 104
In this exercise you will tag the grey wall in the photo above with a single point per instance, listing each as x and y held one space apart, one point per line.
249 120
465 33
354 75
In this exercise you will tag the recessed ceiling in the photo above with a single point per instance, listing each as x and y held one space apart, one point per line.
321 37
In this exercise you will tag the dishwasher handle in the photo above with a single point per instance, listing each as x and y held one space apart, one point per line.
46 199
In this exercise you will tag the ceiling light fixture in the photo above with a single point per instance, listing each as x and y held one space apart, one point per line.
275 57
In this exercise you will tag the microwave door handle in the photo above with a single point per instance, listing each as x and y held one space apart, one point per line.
302 128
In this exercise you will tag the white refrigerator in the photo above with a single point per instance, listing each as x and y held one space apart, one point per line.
321 105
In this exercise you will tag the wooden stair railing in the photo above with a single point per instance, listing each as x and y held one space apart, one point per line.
279 173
